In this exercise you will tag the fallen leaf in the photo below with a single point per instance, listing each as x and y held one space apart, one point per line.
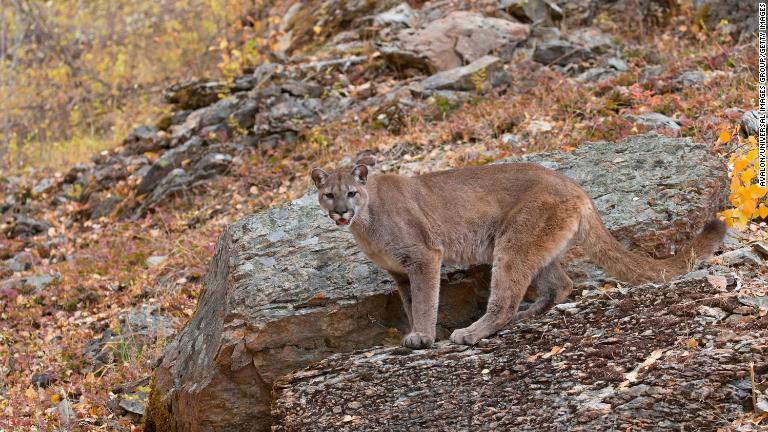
554 351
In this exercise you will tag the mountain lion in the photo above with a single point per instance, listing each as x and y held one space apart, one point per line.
520 218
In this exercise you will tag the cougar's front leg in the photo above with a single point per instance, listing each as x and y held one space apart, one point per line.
424 275
404 288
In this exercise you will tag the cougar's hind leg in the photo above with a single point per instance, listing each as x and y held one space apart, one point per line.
552 286
536 233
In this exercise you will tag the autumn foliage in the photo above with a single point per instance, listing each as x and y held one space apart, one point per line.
76 76
745 194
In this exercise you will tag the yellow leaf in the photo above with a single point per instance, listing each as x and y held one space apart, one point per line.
751 155
752 140
55 398
317 29
724 137
748 175
762 211
692 343
748 207
739 165
755 191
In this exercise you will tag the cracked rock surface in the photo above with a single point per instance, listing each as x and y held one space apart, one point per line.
644 358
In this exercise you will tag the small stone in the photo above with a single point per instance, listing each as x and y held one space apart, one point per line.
750 123
155 260
337 410
740 257
712 312
354 405
654 120
134 402
691 78
464 78
43 379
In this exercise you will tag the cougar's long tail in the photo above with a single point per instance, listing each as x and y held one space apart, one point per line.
609 254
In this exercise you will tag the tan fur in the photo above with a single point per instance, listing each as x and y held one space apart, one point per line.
520 218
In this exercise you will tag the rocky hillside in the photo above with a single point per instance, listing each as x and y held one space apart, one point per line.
105 263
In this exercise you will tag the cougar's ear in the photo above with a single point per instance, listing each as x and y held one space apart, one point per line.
360 173
319 177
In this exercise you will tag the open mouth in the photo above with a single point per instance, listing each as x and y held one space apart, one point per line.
341 221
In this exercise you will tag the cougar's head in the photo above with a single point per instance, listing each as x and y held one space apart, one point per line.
342 193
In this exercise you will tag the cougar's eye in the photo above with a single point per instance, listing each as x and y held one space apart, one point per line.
329 195
351 194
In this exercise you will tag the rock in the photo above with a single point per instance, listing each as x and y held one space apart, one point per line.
691 78
245 116
596 74
654 120
43 379
134 402
25 226
458 39
42 186
627 13
536 12
616 63
592 39
287 115
167 162
712 312
175 182
104 207
243 83
759 302
74 173
210 165
465 78
155 260
739 257
561 53
285 289
220 111
29 284
400 15
145 139
750 124
402 59
549 373
19 263
539 126
741 16
609 67
194 94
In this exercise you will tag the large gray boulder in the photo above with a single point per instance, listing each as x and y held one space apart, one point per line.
287 288
459 38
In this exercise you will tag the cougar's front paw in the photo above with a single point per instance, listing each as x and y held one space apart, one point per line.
463 337
417 340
